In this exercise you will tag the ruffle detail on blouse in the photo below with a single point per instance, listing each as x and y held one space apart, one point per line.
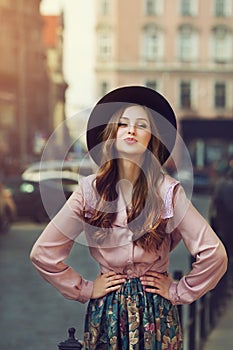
167 211
90 199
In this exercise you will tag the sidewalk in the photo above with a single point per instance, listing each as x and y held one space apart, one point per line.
221 336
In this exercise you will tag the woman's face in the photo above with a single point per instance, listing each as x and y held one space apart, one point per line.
134 131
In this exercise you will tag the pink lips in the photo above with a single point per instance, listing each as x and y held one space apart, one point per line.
130 140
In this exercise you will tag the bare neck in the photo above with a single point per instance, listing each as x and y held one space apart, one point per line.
128 170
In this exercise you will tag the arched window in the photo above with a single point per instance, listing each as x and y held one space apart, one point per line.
152 44
187 44
222 45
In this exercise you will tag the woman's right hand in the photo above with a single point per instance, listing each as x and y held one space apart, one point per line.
106 283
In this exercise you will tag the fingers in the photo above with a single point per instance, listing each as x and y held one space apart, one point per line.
158 283
106 283
113 281
152 282
152 277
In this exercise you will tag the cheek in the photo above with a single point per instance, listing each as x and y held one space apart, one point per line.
118 138
119 133
146 139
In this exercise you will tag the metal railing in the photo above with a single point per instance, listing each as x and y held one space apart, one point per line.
200 317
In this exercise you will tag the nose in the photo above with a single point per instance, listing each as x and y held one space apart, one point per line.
131 129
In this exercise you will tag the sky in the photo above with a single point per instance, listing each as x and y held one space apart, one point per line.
79 50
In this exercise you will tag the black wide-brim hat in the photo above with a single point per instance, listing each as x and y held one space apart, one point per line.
159 107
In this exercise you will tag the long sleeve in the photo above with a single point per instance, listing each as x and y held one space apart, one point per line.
53 247
202 242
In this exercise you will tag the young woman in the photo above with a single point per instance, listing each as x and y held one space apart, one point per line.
133 215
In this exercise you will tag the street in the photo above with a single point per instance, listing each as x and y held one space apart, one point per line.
34 316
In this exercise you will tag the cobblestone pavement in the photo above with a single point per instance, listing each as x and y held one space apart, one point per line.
33 315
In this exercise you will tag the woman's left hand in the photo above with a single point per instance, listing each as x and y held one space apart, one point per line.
158 283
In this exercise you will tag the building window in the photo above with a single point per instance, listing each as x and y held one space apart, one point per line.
152 84
188 44
222 45
152 44
188 7
103 88
105 7
185 95
104 45
220 95
222 8
153 7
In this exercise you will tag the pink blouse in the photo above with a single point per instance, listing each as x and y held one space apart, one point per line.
121 255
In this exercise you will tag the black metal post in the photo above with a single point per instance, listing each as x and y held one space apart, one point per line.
192 326
177 275
71 343
192 318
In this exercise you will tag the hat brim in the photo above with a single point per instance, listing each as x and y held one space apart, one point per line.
162 113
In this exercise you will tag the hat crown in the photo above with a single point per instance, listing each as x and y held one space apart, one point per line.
162 113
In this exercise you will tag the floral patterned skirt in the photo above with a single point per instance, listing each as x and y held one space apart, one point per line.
132 319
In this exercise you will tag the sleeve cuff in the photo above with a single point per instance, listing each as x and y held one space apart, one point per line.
174 298
86 291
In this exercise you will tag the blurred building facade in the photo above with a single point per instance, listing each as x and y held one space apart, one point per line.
25 84
52 33
184 50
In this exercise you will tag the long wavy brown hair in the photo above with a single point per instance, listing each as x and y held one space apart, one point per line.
144 216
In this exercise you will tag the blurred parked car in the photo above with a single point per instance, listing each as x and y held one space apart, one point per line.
42 196
50 169
44 187
7 209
